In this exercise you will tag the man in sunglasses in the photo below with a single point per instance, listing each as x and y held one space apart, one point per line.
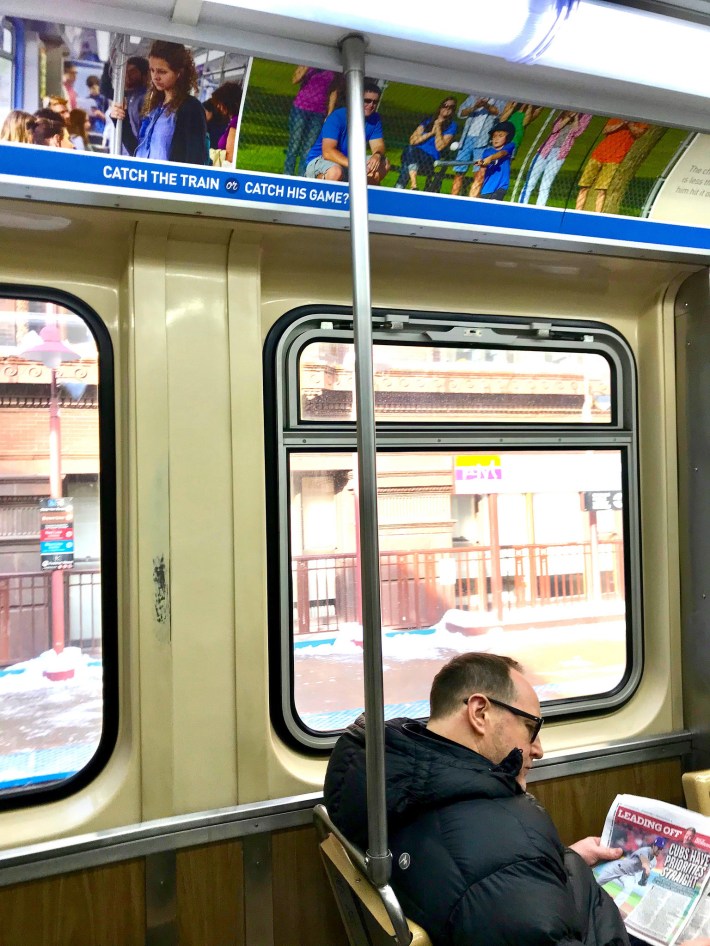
328 158
475 859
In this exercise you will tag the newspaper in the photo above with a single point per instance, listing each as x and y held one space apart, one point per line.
661 883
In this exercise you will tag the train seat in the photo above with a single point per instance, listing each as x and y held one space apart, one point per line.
696 787
371 915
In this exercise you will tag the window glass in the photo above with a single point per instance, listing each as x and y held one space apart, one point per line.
518 553
52 699
507 503
446 384
5 87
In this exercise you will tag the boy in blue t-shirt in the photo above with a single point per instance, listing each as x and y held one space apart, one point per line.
493 177
328 158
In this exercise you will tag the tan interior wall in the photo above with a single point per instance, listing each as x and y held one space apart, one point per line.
188 304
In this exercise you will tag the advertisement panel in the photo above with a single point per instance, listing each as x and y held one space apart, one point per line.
220 129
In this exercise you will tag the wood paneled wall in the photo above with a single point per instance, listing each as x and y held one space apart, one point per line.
305 913
107 906
579 803
104 906
210 901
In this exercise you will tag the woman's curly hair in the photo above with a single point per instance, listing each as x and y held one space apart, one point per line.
180 60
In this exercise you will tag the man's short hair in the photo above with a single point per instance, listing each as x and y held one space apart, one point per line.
141 64
370 86
471 673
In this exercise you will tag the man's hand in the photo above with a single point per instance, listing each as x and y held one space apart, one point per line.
592 852
701 941
374 162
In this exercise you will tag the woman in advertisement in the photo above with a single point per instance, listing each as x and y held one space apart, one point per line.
315 100
426 144
78 127
549 159
227 100
174 127
18 126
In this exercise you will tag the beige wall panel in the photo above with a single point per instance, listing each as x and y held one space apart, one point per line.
579 803
151 414
201 531
196 474
245 344
210 895
305 913
104 906
441 276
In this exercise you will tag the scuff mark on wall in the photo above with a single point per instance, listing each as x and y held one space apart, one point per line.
161 590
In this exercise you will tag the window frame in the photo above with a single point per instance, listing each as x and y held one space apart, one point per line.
286 433
6 23
46 793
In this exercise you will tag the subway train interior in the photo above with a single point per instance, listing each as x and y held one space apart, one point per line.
186 519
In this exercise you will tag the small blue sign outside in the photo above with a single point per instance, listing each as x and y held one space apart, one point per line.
56 545
51 548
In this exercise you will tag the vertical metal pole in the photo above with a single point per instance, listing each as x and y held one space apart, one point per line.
120 60
379 859
55 491
496 574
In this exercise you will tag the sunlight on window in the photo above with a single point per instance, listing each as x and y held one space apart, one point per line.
51 703
519 553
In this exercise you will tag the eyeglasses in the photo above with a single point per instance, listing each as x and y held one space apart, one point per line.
371 101
537 720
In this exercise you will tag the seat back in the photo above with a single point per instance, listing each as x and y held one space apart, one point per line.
696 786
371 915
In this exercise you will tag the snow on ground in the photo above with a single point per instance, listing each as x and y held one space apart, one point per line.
49 727
563 661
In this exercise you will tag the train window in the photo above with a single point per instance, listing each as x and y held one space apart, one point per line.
58 689
6 58
445 384
507 494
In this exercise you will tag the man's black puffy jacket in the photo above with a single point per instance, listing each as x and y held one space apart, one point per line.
485 864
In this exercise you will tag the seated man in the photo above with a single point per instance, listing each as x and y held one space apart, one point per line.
328 158
476 860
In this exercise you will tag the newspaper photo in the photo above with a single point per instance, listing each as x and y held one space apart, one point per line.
660 884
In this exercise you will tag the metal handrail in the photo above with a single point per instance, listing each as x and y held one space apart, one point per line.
379 859
108 846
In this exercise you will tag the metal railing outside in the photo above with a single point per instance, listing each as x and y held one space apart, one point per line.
417 587
25 607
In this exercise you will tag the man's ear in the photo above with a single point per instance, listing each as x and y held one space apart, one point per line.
477 710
